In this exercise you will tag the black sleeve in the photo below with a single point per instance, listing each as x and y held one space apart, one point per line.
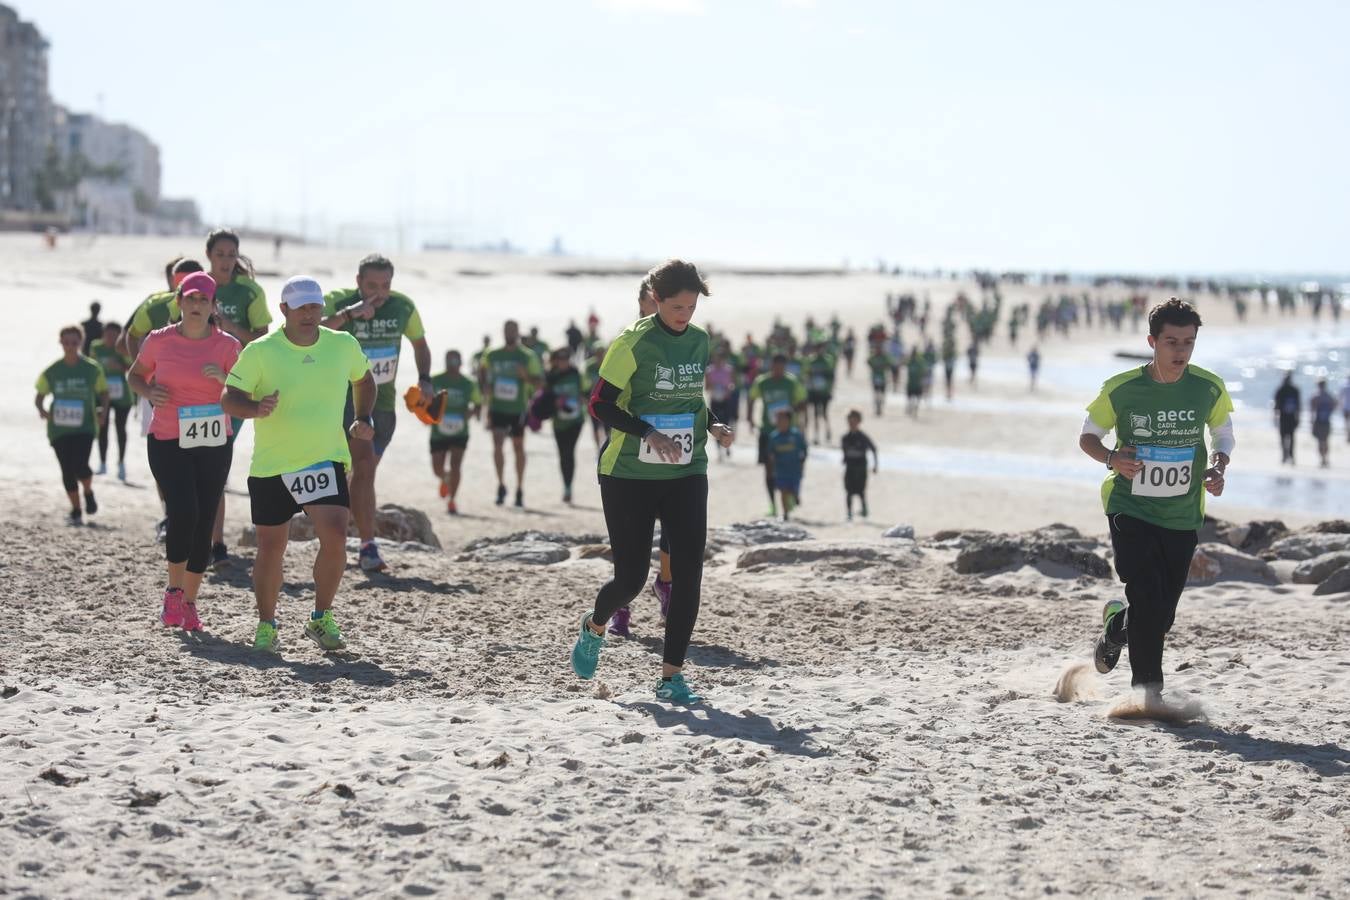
712 419
605 407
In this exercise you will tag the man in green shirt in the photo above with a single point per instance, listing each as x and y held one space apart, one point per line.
379 318
1154 495
115 365
510 375
776 389
819 369
294 382
463 401
878 365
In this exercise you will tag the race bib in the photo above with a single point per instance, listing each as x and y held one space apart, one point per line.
1167 471
201 426
312 483
117 388
383 363
451 425
820 383
771 411
568 409
68 413
680 429
506 389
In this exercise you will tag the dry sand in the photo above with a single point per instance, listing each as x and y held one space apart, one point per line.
871 729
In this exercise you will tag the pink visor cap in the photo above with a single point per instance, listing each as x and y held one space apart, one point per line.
198 283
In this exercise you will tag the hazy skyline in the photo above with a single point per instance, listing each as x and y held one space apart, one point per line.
1199 137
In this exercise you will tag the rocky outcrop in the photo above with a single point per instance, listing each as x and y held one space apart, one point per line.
1219 562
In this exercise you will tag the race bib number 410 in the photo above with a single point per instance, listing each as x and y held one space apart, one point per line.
312 483
383 363
680 429
1166 472
201 426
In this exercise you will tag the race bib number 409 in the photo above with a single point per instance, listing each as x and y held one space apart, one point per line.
1166 472
312 483
680 429
201 426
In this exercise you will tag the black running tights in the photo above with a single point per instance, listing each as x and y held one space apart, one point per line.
119 419
1154 563
632 508
72 452
566 439
192 482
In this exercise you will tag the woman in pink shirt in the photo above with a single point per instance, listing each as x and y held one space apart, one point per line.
180 370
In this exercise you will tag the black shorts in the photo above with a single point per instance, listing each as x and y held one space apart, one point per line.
511 423
273 503
1321 430
855 479
440 443
818 398
385 423
765 455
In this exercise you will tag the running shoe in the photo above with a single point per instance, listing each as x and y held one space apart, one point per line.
1107 653
586 651
325 632
122 471
102 469
451 508
171 615
190 620
662 591
443 489
75 517
618 624
370 559
501 494
90 504
220 554
567 495
265 638
520 498
676 690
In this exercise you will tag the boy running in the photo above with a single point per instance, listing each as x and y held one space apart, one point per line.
856 446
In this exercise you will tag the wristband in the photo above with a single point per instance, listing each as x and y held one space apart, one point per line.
369 420
1109 454
423 376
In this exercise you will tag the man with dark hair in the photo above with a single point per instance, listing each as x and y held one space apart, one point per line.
1322 405
93 328
379 318
509 375
1155 494
1288 407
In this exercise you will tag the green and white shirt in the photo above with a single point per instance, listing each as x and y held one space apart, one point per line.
508 372
660 379
380 336
1166 423
75 391
461 393
777 393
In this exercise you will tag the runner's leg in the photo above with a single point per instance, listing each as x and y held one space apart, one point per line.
330 525
630 517
683 510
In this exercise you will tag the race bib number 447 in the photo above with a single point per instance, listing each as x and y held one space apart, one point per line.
1166 472
383 363
312 483
680 429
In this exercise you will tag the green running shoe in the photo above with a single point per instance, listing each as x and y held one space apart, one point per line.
265 638
676 690
1107 653
325 632
586 651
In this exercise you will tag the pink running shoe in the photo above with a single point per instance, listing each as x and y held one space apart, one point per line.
190 620
618 623
172 614
662 591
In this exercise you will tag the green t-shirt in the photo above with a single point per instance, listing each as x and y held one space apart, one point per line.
306 426
880 364
777 393
75 391
915 370
506 373
660 377
115 366
539 347
242 301
820 374
461 393
381 336
155 311
569 389
1166 423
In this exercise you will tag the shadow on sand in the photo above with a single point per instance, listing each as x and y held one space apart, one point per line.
710 655
337 666
705 719
1328 760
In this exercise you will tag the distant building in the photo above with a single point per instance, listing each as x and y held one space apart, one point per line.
25 111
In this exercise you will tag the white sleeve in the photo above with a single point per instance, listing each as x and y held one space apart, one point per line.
1224 440
1091 427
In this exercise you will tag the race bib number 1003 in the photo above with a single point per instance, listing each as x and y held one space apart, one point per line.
1166 472
680 429
312 483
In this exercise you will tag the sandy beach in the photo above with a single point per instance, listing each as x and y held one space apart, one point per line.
877 722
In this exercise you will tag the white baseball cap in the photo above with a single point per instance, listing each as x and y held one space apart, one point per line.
301 290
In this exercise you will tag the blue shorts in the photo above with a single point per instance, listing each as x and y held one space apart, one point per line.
791 485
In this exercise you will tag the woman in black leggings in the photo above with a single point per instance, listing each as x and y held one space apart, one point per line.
181 370
115 364
655 466
79 398
565 384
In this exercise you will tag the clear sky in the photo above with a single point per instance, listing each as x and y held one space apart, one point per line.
1195 136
